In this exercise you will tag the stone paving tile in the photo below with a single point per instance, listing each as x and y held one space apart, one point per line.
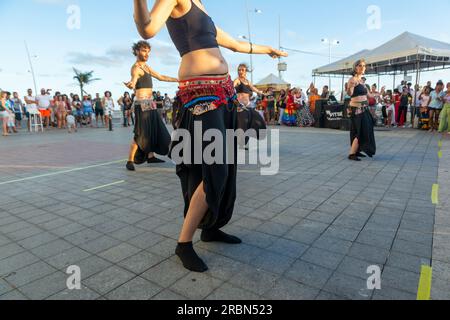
108 279
333 244
228 292
309 274
136 289
369 253
405 261
100 244
323 258
168 295
68 258
165 274
119 252
288 248
45 287
141 262
16 262
286 289
348 286
51 249
13 296
400 279
4 287
255 280
196 286
91 266
9 250
387 294
30 274
84 294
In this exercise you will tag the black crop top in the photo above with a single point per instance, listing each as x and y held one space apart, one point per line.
243 88
193 31
360 90
145 82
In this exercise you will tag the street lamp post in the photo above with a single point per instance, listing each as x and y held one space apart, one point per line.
249 37
330 43
31 67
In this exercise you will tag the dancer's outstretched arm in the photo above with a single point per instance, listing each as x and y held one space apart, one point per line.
136 73
227 41
150 23
160 77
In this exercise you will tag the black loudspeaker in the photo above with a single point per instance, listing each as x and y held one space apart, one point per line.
319 113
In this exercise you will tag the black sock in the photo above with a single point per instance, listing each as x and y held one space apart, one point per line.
219 236
189 258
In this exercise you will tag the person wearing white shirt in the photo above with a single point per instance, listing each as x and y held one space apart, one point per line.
30 106
44 103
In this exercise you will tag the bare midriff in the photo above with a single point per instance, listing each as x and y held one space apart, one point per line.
201 63
244 98
144 94
356 102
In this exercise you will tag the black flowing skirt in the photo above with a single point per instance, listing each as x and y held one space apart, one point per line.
219 180
362 128
150 134
249 118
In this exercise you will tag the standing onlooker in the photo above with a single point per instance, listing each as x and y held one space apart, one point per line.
415 112
160 106
60 112
77 110
4 113
168 108
445 115
44 103
87 110
403 109
31 107
18 109
436 104
325 93
270 100
281 105
12 116
108 104
99 111
126 103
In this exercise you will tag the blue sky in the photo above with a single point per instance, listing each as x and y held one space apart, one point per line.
107 31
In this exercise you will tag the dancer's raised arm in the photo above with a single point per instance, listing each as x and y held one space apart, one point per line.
227 41
149 23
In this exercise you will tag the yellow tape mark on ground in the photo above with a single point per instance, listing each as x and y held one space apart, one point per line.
440 144
435 194
440 154
426 277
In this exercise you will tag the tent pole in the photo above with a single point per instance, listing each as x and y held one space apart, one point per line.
342 94
395 73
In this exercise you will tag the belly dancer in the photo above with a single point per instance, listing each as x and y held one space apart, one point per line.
150 133
207 95
362 132
246 118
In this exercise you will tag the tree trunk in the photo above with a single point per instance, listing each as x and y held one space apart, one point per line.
82 90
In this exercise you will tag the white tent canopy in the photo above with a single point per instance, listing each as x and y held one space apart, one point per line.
407 52
272 79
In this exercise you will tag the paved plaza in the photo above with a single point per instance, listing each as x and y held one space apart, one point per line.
309 232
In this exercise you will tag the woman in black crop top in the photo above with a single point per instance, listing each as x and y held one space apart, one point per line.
247 116
150 133
207 96
362 137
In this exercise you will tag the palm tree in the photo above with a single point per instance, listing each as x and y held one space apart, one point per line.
84 78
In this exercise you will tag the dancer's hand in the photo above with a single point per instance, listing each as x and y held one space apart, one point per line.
130 85
274 53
